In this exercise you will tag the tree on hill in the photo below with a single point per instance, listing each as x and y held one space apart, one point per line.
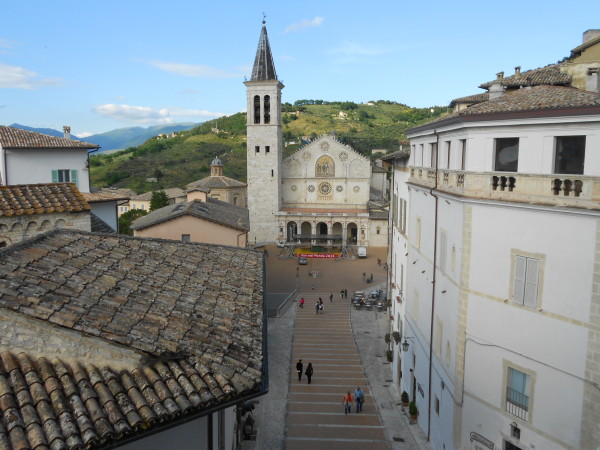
159 200
128 218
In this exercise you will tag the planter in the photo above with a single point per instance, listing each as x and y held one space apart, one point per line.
397 337
404 399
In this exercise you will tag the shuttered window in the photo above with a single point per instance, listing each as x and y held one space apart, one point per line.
527 272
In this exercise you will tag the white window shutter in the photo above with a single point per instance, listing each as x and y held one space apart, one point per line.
55 176
519 292
443 252
531 282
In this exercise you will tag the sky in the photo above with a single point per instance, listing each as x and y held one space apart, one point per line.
100 65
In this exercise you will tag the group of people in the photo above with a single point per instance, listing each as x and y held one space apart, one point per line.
344 293
319 306
308 372
359 398
367 279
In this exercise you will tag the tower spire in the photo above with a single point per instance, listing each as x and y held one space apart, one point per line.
264 67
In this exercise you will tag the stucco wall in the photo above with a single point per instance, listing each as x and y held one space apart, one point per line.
199 230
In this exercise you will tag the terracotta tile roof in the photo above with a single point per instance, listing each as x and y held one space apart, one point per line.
171 193
104 196
216 182
24 199
212 210
476 98
546 75
194 310
99 225
577 50
542 98
15 138
403 153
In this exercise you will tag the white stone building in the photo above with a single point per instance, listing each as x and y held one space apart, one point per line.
501 296
320 195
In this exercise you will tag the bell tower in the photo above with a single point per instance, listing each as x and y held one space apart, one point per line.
264 141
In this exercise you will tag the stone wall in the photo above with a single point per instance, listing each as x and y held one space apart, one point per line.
15 229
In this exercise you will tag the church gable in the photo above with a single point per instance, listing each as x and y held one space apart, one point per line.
326 157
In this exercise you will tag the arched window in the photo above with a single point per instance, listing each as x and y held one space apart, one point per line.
256 109
267 109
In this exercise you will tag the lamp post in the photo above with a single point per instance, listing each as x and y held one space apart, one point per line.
405 344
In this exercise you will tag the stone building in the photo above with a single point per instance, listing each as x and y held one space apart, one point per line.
320 195
114 341
221 187
30 209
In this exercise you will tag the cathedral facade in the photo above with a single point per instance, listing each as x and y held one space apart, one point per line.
320 195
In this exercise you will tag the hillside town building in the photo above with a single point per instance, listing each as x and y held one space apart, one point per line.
320 195
200 219
494 271
129 342
221 187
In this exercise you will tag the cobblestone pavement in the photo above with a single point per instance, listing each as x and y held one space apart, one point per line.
295 415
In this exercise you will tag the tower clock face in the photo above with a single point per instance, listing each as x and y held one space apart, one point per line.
325 189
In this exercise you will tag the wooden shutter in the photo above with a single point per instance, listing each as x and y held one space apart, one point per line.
519 292
443 252
74 177
55 176
531 282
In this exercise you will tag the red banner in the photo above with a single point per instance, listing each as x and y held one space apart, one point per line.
319 255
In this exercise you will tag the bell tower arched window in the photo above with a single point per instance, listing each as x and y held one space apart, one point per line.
267 109
256 109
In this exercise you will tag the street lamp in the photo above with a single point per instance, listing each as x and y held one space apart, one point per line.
405 344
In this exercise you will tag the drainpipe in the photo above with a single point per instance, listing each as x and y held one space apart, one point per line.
431 327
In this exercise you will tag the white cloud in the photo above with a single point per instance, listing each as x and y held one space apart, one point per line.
147 115
192 70
304 24
84 134
5 45
19 78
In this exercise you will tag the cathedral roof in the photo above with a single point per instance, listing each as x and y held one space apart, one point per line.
264 67
216 162
216 182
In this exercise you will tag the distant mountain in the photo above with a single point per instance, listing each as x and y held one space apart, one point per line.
131 137
120 138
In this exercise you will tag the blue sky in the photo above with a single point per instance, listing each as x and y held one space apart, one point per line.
100 65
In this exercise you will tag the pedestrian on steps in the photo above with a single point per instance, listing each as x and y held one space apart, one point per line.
347 402
302 302
309 372
299 367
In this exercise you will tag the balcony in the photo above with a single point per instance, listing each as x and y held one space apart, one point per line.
577 191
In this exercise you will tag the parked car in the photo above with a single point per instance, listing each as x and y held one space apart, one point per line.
302 261
361 252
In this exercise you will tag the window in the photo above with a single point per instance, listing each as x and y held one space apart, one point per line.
463 152
422 151
418 233
256 109
433 149
507 155
437 338
448 148
517 393
267 149
257 149
267 109
569 154
436 405
64 176
185 238
526 277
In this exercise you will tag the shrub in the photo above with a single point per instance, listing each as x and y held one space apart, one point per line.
390 355
387 338
404 397
412 409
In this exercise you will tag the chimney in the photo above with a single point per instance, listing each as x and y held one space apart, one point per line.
589 35
518 71
499 75
496 91
592 81
67 131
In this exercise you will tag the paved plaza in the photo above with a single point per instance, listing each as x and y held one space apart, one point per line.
346 348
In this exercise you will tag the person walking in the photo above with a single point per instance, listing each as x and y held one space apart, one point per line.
317 307
364 277
359 396
331 297
346 293
309 372
347 402
342 293
299 367
302 302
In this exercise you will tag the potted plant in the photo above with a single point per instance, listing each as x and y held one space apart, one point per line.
390 355
413 412
396 336
404 398
387 338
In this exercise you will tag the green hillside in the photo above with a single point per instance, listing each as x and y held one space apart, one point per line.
185 158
